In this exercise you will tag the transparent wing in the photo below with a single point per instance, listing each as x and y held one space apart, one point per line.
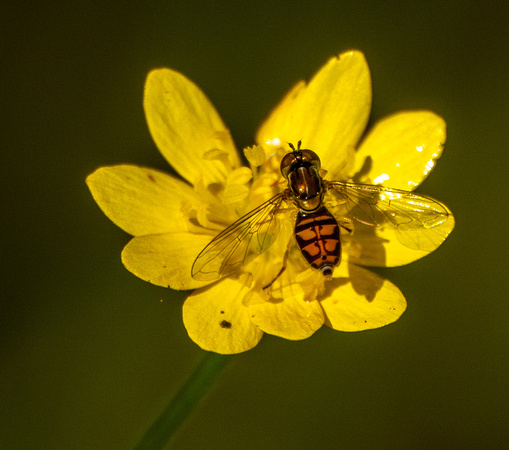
420 222
240 243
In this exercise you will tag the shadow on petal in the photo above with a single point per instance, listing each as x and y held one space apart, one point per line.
364 282
365 247
361 302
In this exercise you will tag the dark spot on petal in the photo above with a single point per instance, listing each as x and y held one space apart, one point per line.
222 312
151 178
225 324
365 169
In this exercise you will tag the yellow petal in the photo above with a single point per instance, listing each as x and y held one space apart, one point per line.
402 149
329 115
288 315
361 300
278 120
217 320
165 259
187 129
140 200
383 247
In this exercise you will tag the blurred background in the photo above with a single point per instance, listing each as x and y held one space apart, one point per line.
90 354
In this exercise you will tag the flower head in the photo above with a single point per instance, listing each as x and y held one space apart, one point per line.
172 220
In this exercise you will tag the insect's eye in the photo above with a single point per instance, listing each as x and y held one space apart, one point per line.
299 158
310 157
287 162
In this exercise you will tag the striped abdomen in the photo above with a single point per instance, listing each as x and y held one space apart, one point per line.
317 234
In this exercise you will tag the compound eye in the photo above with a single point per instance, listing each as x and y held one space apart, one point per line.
286 163
311 157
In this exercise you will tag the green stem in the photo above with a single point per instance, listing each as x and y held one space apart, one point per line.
184 402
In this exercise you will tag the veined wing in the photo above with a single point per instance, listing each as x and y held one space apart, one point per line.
420 222
240 243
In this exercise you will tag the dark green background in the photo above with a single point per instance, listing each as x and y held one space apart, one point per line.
90 354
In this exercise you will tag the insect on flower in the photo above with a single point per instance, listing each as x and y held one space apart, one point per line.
297 260
322 208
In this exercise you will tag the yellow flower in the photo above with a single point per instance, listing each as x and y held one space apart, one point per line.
173 220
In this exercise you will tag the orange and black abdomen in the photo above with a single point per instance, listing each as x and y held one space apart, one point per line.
317 234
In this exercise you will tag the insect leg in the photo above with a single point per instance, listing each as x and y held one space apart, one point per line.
346 224
285 261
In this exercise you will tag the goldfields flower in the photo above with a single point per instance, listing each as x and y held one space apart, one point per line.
173 220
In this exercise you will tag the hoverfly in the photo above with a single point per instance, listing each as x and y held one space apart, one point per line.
415 218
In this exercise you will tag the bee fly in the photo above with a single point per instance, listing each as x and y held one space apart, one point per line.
418 220
316 229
